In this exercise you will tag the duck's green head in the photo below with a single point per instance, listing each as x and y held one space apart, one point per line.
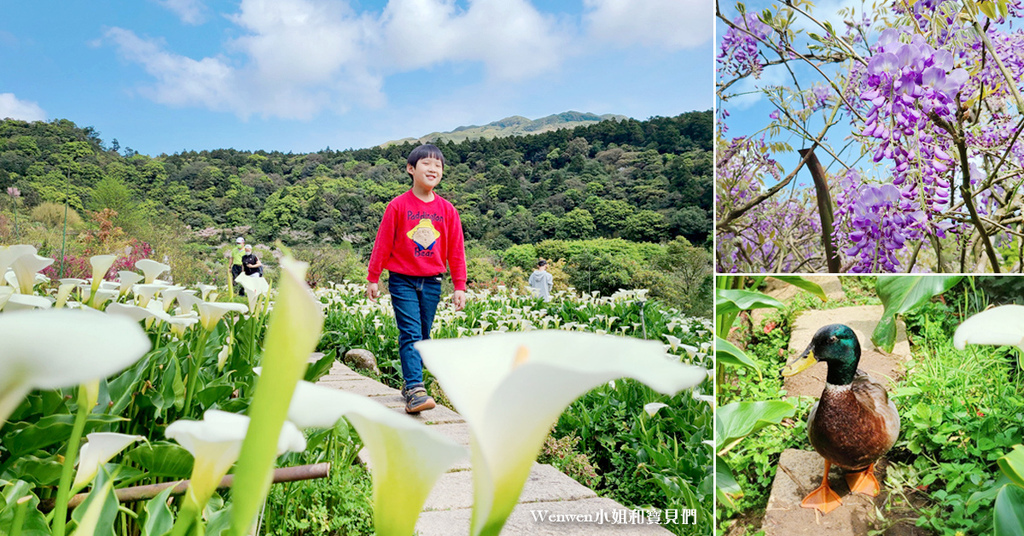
835 344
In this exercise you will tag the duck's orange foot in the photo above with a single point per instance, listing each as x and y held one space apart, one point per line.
864 482
823 499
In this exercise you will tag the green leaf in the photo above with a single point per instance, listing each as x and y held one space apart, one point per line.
731 301
737 420
158 515
801 283
213 394
1009 512
34 523
317 370
39 471
988 8
726 353
903 293
96 515
50 431
727 489
163 459
121 389
1012 465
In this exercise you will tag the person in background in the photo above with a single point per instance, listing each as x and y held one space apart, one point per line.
251 263
419 234
541 281
236 263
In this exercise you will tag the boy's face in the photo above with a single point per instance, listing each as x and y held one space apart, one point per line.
427 172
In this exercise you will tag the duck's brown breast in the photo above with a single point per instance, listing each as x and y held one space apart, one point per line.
845 432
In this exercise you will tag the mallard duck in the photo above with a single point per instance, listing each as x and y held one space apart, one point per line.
853 423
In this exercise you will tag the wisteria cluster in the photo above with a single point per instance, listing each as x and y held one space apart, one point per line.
738 50
905 84
875 221
777 232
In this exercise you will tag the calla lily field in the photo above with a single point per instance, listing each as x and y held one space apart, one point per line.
110 388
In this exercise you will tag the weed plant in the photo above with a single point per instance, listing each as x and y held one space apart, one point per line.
339 505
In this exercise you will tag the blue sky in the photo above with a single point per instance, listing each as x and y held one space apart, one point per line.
162 76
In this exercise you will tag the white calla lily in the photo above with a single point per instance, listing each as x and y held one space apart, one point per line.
210 313
512 387
205 290
63 293
62 348
406 457
100 266
145 292
222 356
255 287
168 296
135 312
25 269
1000 326
180 324
653 407
8 254
25 302
100 448
5 294
152 269
127 280
102 296
215 442
187 301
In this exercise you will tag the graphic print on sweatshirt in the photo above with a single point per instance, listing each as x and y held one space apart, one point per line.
424 235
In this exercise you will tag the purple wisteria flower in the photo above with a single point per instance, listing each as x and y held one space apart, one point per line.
738 50
881 221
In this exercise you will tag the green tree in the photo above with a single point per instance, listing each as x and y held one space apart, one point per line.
645 226
577 224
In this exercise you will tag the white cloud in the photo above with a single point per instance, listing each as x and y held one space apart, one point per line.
13 108
299 41
181 81
510 37
671 24
189 11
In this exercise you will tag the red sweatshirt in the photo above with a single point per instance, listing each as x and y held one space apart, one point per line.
416 238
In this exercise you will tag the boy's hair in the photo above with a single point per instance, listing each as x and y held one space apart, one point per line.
427 150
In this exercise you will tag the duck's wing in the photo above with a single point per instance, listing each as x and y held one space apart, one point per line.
874 398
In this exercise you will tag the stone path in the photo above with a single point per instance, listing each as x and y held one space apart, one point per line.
448 508
799 471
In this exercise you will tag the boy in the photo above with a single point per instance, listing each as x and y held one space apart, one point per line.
420 231
541 281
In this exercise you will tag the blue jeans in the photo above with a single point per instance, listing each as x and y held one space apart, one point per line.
415 301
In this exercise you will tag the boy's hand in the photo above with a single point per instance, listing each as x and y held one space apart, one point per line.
372 291
459 299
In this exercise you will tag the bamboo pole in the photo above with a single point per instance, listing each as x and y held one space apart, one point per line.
142 493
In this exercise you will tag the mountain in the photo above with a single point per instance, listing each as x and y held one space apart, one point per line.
515 125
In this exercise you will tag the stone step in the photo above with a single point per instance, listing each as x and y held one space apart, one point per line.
799 473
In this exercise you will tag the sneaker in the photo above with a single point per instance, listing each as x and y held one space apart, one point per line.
417 399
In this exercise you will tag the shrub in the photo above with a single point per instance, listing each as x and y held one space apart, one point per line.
52 215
